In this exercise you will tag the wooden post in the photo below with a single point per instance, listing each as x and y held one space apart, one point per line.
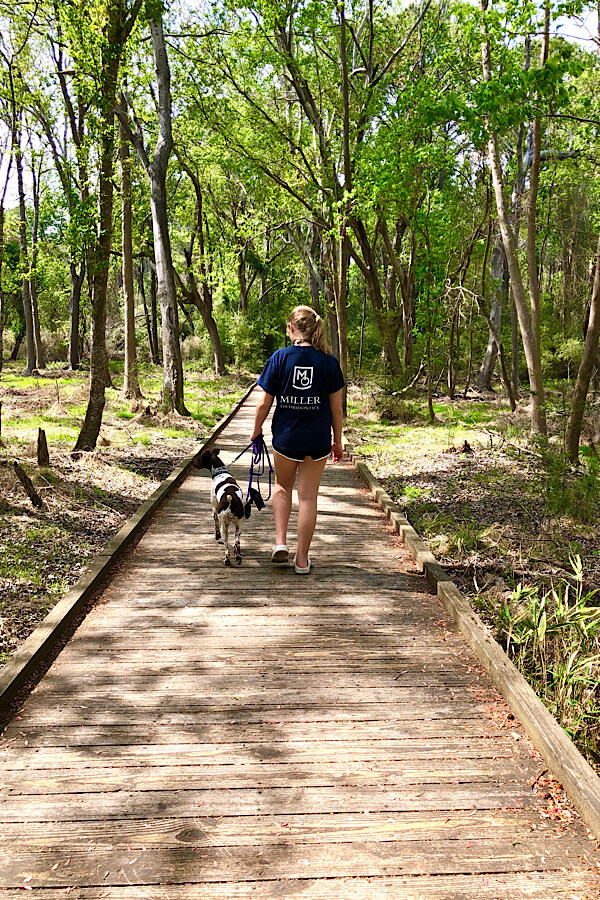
28 485
43 457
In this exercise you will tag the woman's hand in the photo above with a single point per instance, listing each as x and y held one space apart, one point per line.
337 451
263 405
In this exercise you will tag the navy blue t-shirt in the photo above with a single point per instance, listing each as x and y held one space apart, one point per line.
301 378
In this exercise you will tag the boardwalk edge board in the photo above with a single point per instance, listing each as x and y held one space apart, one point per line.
581 783
28 656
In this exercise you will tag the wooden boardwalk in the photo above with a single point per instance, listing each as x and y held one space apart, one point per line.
226 733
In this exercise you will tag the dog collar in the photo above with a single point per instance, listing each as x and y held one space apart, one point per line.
220 470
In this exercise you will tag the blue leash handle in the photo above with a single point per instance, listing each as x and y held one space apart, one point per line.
258 465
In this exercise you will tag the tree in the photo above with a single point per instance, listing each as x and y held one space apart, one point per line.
117 21
2 294
198 290
156 171
529 330
131 385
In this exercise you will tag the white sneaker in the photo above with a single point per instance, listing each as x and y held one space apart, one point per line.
302 571
280 553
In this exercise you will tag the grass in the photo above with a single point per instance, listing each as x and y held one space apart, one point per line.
553 636
58 405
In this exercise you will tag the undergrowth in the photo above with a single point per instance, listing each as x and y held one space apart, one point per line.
553 637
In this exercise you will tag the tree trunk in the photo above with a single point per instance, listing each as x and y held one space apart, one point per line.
406 285
588 360
530 345
329 267
342 316
215 340
201 297
343 242
363 320
430 379
116 31
497 299
450 380
154 312
24 255
172 394
156 170
14 354
172 390
313 280
514 338
131 385
43 457
40 354
534 180
77 279
149 314
368 267
242 280
2 307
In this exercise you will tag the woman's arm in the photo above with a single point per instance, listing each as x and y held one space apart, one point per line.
335 402
263 405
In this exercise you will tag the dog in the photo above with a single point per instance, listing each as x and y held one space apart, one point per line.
227 502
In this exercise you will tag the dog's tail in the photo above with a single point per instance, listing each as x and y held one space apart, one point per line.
233 503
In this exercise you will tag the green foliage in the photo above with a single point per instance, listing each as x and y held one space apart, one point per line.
569 492
553 636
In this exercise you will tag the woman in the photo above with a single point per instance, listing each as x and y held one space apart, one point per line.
307 382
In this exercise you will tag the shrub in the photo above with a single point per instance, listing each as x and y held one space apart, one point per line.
553 637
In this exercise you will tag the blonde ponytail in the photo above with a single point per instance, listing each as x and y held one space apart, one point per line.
310 326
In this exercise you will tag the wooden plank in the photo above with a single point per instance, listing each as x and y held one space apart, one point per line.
242 831
206 864
270 617
254 709
299 727
272 747
146 692
572 885
263 801
198 641
271 772
408 658
365 673
397 587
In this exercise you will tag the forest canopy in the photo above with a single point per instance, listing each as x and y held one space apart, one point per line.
176 176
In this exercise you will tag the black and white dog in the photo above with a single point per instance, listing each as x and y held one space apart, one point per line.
227 502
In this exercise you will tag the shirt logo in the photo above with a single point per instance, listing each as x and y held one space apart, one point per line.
303 377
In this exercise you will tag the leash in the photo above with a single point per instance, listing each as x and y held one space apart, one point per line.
258 465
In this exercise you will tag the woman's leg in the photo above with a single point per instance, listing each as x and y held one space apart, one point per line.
309 479
285 476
